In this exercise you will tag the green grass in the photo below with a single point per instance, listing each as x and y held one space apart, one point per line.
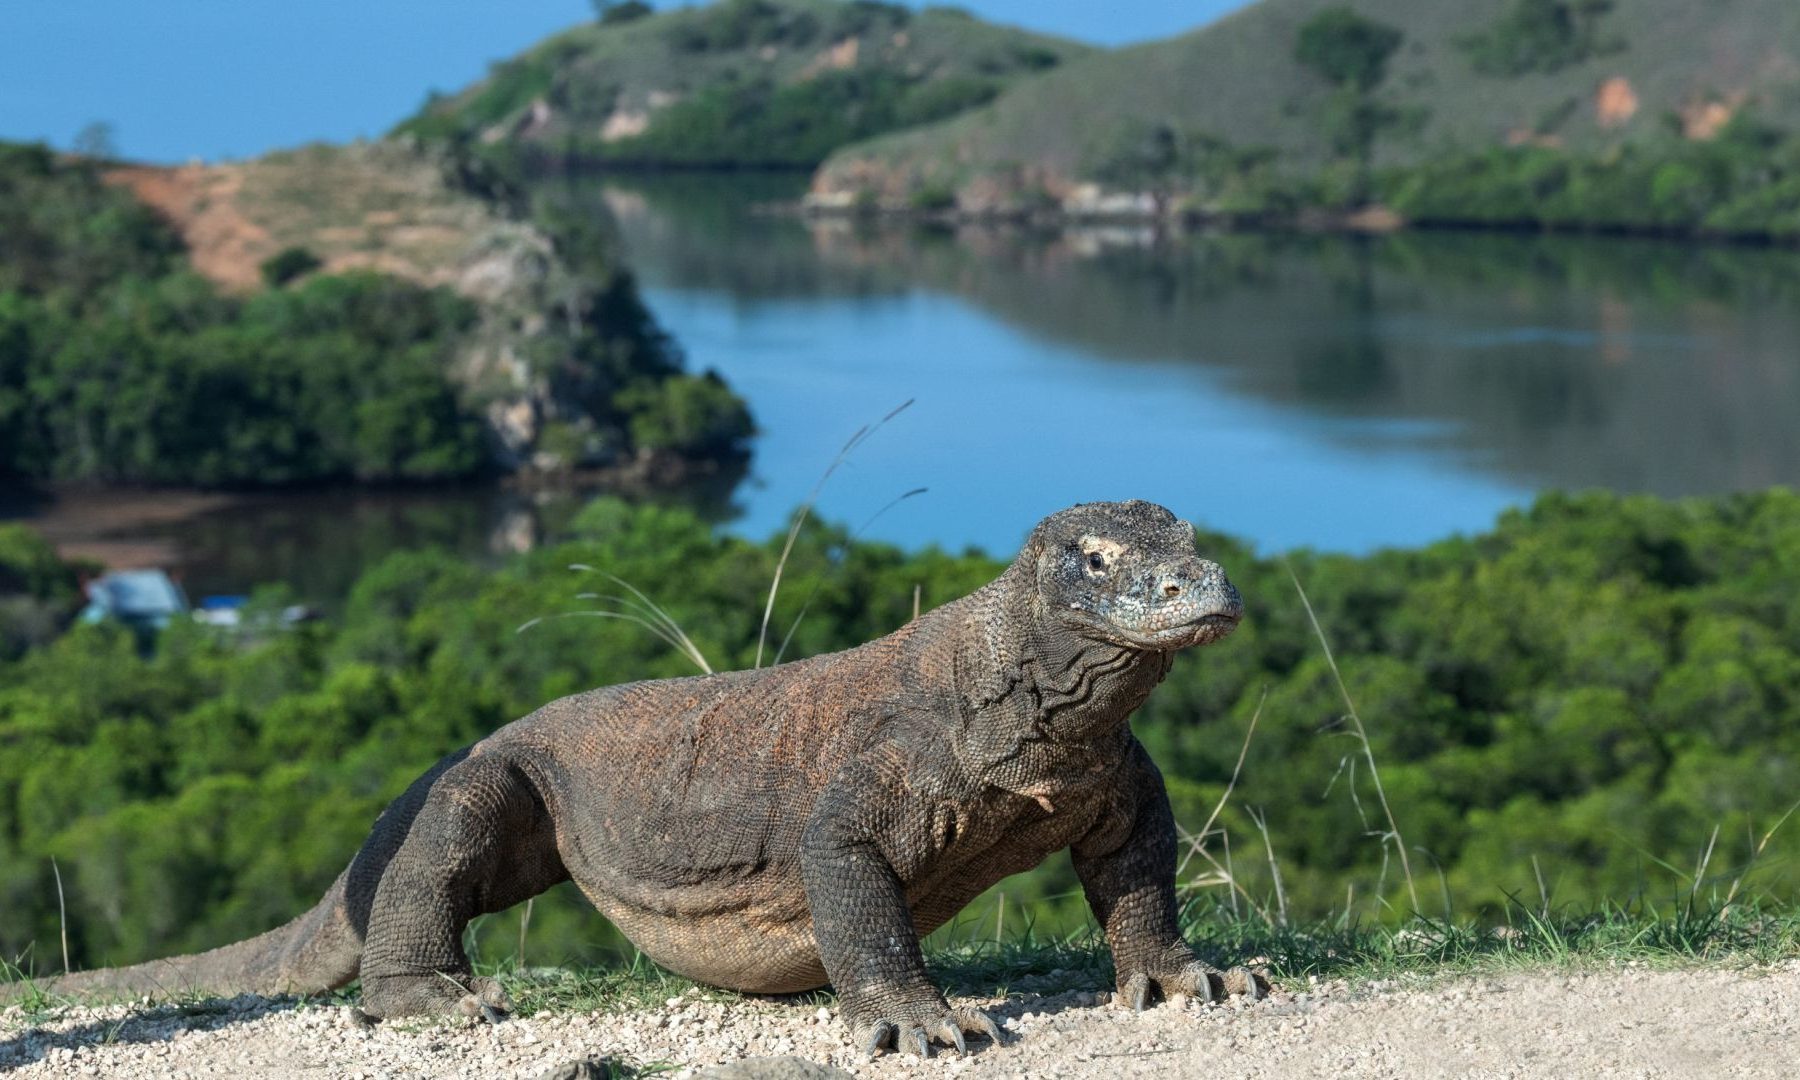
33 999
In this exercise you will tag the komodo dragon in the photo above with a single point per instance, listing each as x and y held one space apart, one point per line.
772 830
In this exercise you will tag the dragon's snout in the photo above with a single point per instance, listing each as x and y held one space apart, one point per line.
1198 588
1186 602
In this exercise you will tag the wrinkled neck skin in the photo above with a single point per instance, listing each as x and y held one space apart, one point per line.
1039 697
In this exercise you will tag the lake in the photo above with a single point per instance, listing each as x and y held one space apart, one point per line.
1341 393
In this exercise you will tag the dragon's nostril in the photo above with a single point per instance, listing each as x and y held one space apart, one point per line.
1171 590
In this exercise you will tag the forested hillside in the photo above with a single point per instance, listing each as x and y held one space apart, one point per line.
344 314
1639 114
1594 703
738 83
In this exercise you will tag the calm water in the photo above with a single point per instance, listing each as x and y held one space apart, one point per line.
1332 392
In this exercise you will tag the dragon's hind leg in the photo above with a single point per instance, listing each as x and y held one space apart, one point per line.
482 841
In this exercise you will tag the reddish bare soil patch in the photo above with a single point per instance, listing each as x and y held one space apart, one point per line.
198 200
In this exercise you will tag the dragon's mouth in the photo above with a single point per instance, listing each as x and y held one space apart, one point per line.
1201 628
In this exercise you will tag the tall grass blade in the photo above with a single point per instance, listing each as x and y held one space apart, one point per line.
862 433
814 591
62 913
1362 736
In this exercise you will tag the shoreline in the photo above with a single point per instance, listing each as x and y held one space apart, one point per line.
1372 220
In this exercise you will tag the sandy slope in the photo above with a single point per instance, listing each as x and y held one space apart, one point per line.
1629 1022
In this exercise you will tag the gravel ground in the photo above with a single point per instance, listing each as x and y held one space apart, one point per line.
1625 1022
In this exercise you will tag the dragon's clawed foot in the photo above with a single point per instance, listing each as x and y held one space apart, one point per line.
914 1029
471 997
485 1001
1197 980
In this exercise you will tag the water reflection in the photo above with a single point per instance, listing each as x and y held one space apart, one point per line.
1487 366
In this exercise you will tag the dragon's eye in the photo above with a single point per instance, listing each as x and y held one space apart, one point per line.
1096 561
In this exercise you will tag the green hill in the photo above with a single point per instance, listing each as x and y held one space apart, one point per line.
1229 101
737 83
327 314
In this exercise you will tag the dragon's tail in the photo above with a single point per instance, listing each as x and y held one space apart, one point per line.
318 951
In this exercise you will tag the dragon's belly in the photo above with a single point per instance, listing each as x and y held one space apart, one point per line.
753 948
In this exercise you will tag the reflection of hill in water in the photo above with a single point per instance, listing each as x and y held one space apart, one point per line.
1567 362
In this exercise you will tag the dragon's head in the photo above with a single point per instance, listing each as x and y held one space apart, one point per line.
1127 573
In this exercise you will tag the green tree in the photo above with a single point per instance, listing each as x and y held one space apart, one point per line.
1351 52
617 12
1540 35
1144 157
287 264
1348 49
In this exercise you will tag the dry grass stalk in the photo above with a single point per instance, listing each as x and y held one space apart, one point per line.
62 913
787 548
1731 894
1362 735
1197 841
806 604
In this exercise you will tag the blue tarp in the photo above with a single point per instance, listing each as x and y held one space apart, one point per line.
139 597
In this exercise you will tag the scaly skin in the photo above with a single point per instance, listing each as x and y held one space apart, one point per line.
769 831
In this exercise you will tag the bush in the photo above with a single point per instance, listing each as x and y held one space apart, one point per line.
288 264
614 13
933 197
693 416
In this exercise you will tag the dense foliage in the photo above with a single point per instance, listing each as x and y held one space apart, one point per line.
169 382
1592 697
117 364
38 591
1744 181
62 229
762 123
1542 36
733 84
621 366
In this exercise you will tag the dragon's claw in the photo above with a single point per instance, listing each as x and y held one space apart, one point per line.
914 1030
1194 979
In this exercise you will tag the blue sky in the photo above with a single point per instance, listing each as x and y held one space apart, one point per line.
212 79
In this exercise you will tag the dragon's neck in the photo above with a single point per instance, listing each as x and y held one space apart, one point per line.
1032 688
